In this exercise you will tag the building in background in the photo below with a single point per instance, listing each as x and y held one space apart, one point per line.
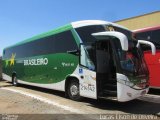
142 21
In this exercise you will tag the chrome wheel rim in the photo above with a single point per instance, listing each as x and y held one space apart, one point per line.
74 90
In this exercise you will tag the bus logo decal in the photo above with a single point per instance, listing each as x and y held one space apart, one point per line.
40 61
11 60
67 64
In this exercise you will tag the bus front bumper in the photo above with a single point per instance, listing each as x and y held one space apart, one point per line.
126 93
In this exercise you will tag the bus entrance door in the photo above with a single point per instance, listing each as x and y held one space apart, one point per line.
87 72
106 70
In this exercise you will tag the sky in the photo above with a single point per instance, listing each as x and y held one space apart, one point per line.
22 19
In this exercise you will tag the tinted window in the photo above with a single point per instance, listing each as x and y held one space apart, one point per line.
153 36
59 43
156 38
124 31
64 42
85 32
144 36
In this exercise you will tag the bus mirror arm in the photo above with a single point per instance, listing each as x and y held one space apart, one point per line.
122 38
153 48
74 52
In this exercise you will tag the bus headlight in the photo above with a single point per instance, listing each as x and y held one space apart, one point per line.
141 86
128 83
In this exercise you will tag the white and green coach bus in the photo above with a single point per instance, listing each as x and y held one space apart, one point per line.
92 58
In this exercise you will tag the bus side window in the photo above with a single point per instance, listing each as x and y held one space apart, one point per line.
87 56
6 53
3 52
144 36
156 38
47 45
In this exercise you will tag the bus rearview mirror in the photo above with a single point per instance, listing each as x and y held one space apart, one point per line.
122 38
153 48
74 52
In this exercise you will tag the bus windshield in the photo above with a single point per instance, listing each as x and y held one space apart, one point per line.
85 33
132 61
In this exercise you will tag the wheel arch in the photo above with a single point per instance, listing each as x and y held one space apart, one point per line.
70 78
14 74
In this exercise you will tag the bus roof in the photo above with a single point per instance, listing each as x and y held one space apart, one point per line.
93 22
147 29
67 27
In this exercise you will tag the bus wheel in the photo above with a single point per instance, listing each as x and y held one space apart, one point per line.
14 80
73 91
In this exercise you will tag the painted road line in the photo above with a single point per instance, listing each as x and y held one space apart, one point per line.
45 100
150 98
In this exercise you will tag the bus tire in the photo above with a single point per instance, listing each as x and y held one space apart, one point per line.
14 80
73 90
